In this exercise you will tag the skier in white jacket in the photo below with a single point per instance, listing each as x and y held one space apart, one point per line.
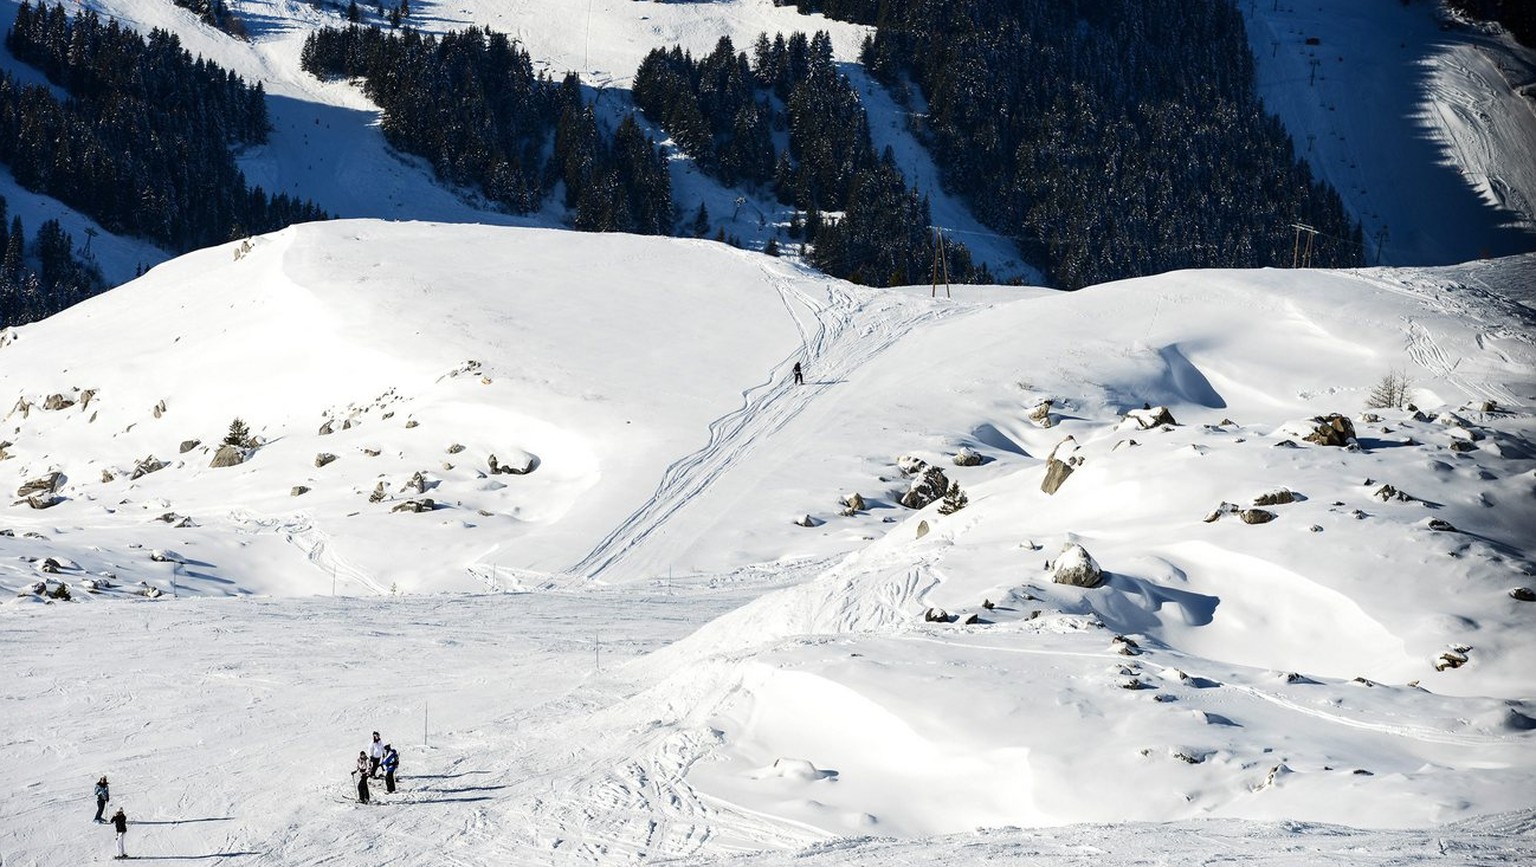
375 755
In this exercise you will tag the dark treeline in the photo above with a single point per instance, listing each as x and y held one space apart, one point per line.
39 279
1518 16
470 103
725 109
215 13
1111 138
144 143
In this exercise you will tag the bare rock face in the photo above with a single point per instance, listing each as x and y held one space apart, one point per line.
149 465
967 457
1063 461
1332 430
422 505
228 456
324 458
926 489
1075 566
42 485
189 445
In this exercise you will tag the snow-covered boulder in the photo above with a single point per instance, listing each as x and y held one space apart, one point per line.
517 463
1065 458
911 465
40 485
1150 417
967 457
926 489
1075 566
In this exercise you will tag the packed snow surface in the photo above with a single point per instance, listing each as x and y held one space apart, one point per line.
627 650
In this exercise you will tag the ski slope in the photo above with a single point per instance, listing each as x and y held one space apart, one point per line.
636 652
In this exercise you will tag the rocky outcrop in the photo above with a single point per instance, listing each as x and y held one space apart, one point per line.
422 505
926 489
228 456
149 465
1151 417
1332 430
1064 459
41 485
1076 567
57 402
1388 493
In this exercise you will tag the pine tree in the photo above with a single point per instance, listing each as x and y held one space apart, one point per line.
954 500
239 435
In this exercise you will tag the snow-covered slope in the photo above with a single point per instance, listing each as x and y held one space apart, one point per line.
1358 660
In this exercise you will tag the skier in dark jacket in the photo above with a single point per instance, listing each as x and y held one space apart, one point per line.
120 824
390 763
799 375
361 772
103 795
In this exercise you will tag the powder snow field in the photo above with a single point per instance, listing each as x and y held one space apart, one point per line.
654 661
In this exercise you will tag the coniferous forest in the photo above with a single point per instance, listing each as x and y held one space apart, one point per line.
51 278
723 110
470 103
1110 138
143 145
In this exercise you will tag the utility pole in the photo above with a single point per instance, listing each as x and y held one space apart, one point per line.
1381 241
1300 258
1315 64
939 261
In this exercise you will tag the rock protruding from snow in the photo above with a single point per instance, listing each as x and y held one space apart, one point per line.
423 505
189 445
228 456
1151 417
324 458
852 504
328 428
1277 497
967 457
298 491
911 465
1523 594
807 521
1076 567
518 463
926 489
1063 460
1041 414
1256 516
378 494
143 468
1332 430
417 483
41 485
57 402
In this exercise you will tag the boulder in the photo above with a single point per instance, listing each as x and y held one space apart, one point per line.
159 409
143 468
1041 414
853 502
422 505
57 401
967 457
228 456
519 463
1277 497
807 521
298 491
1064 458
372 453
86 397
418 482
410 423
328 428
378 494
1387 493
937 615
1151 417
324 458
1075 566
1224 509
1523 594
455 448
926 489
107 476
1441 525
922 529
41 485
911 465
189 445
1256 516
1332 430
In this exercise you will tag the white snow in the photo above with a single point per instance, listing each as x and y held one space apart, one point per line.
673 668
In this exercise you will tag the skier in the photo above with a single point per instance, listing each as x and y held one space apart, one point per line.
361 772
375 755
390 763
120 823
103 795
799 376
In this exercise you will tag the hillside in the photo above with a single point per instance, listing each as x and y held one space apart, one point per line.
695 673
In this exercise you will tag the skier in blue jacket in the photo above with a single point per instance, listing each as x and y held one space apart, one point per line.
390 763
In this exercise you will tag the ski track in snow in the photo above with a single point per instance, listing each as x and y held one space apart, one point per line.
843 333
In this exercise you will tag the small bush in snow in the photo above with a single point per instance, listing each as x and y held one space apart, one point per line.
1391 392
954 500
